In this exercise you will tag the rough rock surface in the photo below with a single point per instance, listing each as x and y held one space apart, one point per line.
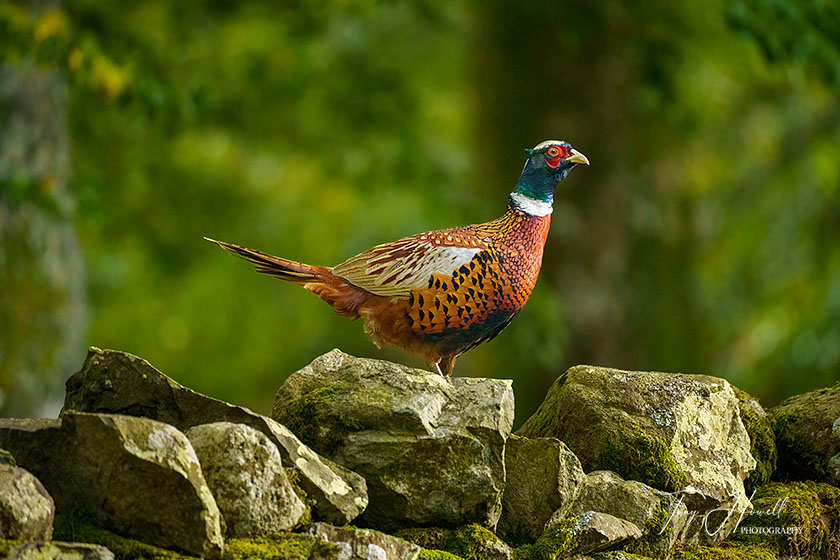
762 440
594 531
26 509
474 541
469 541
651 510
430 448
675 432
807 429
361 544
120 383
602 531
60 551
245 474
123 473
543 477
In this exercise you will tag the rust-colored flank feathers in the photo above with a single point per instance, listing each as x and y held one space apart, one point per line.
440 293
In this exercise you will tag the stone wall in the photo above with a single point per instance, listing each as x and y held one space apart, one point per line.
370 459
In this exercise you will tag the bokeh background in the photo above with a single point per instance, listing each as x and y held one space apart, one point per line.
703 238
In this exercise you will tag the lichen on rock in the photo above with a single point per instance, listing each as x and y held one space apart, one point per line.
245 473
430 449
543 477
675 432
122 472
660 516
363 544
594 531
26 508
437 452
116 382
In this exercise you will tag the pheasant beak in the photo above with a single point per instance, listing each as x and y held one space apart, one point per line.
577 157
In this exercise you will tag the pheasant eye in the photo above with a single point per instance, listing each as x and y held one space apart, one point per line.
553 151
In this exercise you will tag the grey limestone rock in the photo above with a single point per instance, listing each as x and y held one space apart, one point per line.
120 383
594 531
26 509
245 474
362 544
675 432
57 550
430 448
136 476
659 515
807 429
543 477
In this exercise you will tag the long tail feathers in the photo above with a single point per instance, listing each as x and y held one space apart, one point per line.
278 267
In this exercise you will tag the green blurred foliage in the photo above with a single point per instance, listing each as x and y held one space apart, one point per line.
703 237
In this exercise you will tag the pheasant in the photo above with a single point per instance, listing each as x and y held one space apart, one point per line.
440 293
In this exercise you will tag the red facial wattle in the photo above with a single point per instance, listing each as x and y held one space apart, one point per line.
555 154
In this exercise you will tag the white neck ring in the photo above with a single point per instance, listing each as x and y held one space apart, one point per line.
530 206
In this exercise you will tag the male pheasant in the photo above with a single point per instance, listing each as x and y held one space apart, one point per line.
440 293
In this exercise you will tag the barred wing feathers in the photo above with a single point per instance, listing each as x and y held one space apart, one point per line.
397 268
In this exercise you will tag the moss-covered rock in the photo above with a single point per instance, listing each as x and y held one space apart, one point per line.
543 477
6 546
661 531
807 430
135 475
470 542
426 554
762 440
638 455
432 538
293 475
277 546
430 448
559 540
57 550
796 519
659 515
6 458
79 529
474 542
595 531
282 546
578 538
26 509
726 551
670 431
527 552
120 383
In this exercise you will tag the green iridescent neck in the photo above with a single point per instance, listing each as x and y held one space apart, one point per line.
541 191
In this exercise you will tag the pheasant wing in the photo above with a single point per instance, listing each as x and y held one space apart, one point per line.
399 267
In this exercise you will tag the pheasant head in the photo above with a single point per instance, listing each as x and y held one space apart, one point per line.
548 163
